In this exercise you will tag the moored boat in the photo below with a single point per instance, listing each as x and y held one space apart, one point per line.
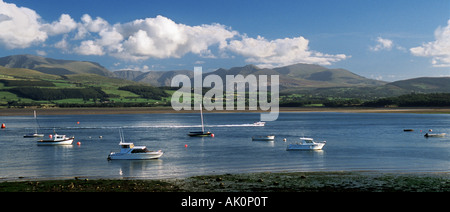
264 138
435 135
130 152
56 140
201 133
35 134
306 144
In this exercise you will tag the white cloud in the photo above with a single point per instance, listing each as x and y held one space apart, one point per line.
161 37
64 25
438 50
382 44
158 37
280 52
89 47
19 26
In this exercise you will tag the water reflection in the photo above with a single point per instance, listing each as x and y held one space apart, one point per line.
137 168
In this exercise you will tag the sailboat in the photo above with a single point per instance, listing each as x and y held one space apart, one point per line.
200 133
35 134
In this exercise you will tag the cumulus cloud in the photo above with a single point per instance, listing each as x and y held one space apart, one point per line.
279 52
64 25
161 37
438 50
158 37
20 26
382 44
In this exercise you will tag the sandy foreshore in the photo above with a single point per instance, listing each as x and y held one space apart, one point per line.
147 110
330 181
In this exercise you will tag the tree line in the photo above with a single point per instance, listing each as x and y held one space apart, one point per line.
39 93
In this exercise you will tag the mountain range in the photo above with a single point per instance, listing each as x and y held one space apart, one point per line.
293 78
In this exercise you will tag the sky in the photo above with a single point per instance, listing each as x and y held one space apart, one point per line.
380 39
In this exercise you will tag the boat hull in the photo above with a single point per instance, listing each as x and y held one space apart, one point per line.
68 141
33 135
199 134
135 156
295 147
438 135
263 138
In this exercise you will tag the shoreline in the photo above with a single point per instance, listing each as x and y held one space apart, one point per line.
321 181
150 110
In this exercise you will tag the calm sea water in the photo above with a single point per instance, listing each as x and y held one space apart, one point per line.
354 142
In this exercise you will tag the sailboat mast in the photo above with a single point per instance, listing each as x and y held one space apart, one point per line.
201 115
35 119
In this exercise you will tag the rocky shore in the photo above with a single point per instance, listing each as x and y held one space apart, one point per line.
249 182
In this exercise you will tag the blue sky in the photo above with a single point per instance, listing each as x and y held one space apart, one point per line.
380 39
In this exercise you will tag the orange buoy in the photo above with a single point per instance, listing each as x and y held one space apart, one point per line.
78 122
185 146
212 135
50 136
3 125
78 143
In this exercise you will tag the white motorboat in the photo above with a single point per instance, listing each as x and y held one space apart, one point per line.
263 138
306 144
130 152
56 140
259 123
435 135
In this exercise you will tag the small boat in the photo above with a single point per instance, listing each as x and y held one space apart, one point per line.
435 135
201 133
56 140
408 130
263 138
35 134
259 123
306 144
130 152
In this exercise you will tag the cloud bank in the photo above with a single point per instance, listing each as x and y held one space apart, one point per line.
158 37
438 50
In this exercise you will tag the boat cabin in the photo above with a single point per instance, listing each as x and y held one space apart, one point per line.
126 145
307 140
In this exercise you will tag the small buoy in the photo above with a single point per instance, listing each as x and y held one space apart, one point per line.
3 125
430 130
284 139
78 143
185 146
50 136
212 135
100 137
78 122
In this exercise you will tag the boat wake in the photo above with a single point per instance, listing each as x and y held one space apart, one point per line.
151 126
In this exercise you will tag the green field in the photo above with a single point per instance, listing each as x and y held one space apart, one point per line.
18 85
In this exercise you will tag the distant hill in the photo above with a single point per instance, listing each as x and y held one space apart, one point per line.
54 66
293 76
424 85
155 78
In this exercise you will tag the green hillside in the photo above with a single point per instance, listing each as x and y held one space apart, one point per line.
25 87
